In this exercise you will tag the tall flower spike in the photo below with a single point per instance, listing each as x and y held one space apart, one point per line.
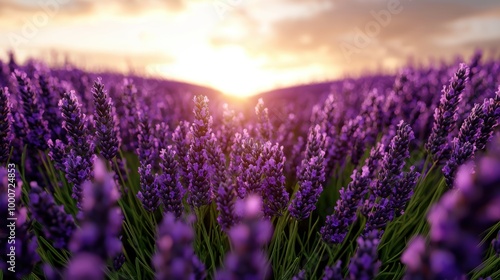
251 168
131 123
403 192
445 115
57 226
5 125
175 257
274 191
147 144
170 187
38 133
463 146
182 140
311 176
78 164
48 99
229 127
264 127
365 264
247 259
107 134
394 161
57 153
198 165
337 225
148 195
491 117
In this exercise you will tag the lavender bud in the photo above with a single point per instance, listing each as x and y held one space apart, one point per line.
149 194
364 264
170 187
5 125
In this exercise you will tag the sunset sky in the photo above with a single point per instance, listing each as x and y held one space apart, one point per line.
244 47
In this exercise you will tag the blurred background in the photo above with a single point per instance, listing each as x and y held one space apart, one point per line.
244 47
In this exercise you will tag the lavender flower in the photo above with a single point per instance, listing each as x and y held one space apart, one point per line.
38 133
329 122
50 110
85 266
274 192
247 260
337 225
394 161
251 168
264 127
131 123
364 265
101 219
491 116
57 153
57 226
175 258
300 276
333 272
198 165
5 125
107 134
311 177
147 144
229 127
149 193
463 146
182 140
445 115
170 187
378 214
78 164
403 191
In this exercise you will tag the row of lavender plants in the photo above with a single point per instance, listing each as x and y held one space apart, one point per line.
126 177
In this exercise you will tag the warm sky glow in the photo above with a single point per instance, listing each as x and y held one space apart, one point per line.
244 47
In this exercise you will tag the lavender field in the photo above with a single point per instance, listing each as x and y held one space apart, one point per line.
123 177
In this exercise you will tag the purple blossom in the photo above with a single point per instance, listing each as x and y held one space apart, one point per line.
378 214
403 191
394 161
198 165
170 187
311 176
5 125
263 127
230 123
57 153
364 265
274 192
491 116
107 133
250 167
445 115
57 226
182 141
147 146
175 257
130 125
48 99
149 193
247 259
300 276
337 225
38 133
85 266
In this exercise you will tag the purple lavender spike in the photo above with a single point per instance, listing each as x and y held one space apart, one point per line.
445 115
57 226
5 125
48 100
182 140
38 133
149 193
57 153
147 144
107 134
394 161
175 257
311 176
170 187
491 117
251 168
403 191
274 192
198 165
337 225
364 265
264 127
